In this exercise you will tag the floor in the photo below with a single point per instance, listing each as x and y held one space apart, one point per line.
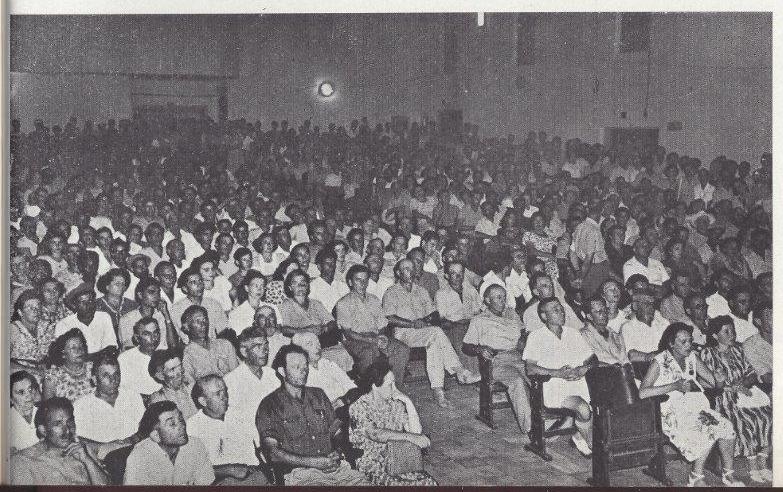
465 451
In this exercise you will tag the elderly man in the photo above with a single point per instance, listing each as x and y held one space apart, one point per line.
457 303
607 344
135 361
231 449
496 335
252 380
413 316
203 355
60 457
167 456
298 423
166 367
542 287
360 317
560 352
323 373
96 326
643 331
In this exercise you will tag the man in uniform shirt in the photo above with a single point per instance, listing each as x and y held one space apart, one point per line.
643 331
457 303
413 316
496 335
298 423
360 317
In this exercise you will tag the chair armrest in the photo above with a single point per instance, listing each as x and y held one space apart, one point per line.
538 378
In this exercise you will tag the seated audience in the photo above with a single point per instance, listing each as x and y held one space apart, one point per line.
606 344
70 374
150 304
25 396
643 331
96 326
457 303
758 347
166 368
134 362
30 337
203 355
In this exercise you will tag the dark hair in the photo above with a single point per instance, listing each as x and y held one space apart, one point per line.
161 265
325 254
159 358
240 252
56 356
25 296
542 305
191 311
152 415
636 277
186 273
105 279
290 278
374 375
354 232
357 268
283 353
760 307
21 376
249 333
198 387
208 256
145 320
667 338
535 278
49 280
143 284
105 358
251 275
715 325
50 405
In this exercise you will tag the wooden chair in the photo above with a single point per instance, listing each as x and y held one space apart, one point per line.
275 472
539 414
627 431
115 462
488 388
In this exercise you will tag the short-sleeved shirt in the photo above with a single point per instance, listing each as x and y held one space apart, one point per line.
129 320
241 317
39 465
296 316
588 240
454 307
99 333
218 321
301 426
328 294
743 328
148 464
96 419
220 358
134 371
654 272
22 433
639 336
181 397
329 377
493 331
609 349
225 440
361 316
411 305
245 392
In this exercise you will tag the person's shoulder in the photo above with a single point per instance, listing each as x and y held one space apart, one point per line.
30 453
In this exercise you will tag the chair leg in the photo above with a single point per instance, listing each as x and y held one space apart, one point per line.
485 406
601 459
657 467
537 442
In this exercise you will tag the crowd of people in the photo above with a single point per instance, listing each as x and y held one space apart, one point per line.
218 300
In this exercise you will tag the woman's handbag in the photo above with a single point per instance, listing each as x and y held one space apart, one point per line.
403 457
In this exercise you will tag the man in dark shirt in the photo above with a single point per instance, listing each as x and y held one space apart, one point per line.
296 424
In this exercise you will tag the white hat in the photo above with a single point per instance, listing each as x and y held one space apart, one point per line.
32 210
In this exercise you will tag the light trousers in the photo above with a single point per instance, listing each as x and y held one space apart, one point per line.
440 354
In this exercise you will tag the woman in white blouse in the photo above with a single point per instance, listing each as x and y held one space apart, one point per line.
25 394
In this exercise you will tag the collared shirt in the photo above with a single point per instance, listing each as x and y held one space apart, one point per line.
245 392
641 337
220 358
148 464
226 440
492 278
429 281
181 397
533 322
301 426
22 433
408 305
328 294
39 465
455 307
588 240
218 321
241 317
361 315
759 353
220 293
654 271
129 320
96 419
296 316
609 349
493 331
743 328
99 333
329 377
672 308
134 372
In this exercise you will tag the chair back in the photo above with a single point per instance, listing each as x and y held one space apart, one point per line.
612 386
115 464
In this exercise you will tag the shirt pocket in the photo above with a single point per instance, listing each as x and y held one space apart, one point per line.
294 426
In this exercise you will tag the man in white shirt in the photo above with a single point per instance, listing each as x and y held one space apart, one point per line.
740 305
134 362
326 288
377 284
717 303
96 326
231 449
642 264
562 353
642 333
252 380
518 282
486 227
112 413
324 373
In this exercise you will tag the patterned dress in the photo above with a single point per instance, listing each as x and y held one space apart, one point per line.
753 426
51 318
367 413
27 350
687 419
544 243
274 293
69 386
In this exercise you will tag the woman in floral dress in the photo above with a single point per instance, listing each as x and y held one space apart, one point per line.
745 405
687 420
539 244
30 337
381 415
70 373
